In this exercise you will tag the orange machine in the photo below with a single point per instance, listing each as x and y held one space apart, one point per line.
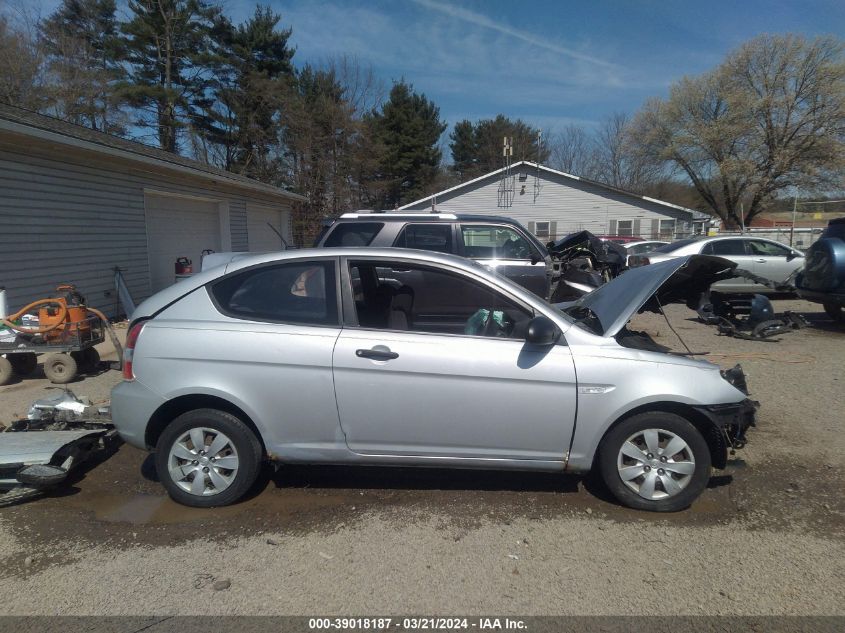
64 314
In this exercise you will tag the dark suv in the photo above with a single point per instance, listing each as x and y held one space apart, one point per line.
500 243
823 277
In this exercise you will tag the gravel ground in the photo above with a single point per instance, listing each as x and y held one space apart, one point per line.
767 536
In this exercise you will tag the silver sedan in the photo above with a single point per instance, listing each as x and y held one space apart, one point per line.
765 258
398 357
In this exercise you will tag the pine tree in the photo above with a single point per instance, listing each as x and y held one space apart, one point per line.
484 153
408 128
82 41
170 50
464 150
252 80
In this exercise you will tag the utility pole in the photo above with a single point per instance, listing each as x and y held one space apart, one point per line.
792 229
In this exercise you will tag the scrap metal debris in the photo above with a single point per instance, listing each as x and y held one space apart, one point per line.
750 317
59 433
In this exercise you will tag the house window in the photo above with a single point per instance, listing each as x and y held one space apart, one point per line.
542 230
667 229
625 228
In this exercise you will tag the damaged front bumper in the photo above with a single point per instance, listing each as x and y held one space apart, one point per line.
729 425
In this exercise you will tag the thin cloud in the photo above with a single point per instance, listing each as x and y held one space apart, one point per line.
485 22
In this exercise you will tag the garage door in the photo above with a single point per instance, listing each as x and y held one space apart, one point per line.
178 227
261 237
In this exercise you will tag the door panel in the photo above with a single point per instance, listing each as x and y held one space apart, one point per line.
454 396
770 260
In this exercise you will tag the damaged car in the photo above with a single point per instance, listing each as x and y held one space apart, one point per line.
585 262
397 357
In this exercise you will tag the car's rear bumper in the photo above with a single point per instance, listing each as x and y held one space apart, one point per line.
132 406
836 298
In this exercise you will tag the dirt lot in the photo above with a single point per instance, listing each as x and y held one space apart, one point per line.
767 537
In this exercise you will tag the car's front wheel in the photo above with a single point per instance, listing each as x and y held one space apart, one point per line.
207 458
655 461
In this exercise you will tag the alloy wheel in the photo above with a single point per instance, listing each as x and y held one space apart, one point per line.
203 461
655 463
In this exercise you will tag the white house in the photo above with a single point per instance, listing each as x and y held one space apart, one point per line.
551 204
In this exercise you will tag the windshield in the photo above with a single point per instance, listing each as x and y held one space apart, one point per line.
668 248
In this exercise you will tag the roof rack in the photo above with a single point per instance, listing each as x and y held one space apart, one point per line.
407 214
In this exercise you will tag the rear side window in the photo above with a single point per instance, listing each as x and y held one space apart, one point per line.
427 237
494 242
725 247
298 292
353 233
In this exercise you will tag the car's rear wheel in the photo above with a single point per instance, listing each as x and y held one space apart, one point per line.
835 311
655 461
207 458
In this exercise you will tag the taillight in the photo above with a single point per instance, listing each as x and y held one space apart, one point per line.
129 349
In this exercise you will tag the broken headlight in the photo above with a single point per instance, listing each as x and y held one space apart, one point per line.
736 377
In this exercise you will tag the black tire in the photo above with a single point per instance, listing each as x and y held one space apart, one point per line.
60 368
7 372
246 445
694 484
24 364
87 359
835 311
92 357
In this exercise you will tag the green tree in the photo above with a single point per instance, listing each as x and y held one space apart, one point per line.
477 149
170 49
770 118
330 145
82 41
252 79
464 149
408 129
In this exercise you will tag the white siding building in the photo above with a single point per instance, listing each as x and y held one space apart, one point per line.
76 203
551 204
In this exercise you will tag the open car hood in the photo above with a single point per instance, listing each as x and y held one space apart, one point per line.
679 280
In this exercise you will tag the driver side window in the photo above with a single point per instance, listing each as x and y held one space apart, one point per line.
414 298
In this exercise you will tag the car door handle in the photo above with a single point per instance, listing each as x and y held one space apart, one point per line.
376 354
760 261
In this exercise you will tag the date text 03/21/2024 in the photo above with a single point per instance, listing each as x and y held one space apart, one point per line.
416 624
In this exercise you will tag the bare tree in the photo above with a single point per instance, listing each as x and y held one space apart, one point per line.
573 151
21 67
617 163
771 117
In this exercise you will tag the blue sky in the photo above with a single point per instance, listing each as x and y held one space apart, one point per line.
550 63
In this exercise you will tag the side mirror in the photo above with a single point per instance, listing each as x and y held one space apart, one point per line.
792 256
535 258
542 331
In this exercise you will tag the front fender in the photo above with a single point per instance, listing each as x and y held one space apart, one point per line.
634 383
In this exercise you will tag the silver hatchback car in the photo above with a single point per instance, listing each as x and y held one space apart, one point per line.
398 357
